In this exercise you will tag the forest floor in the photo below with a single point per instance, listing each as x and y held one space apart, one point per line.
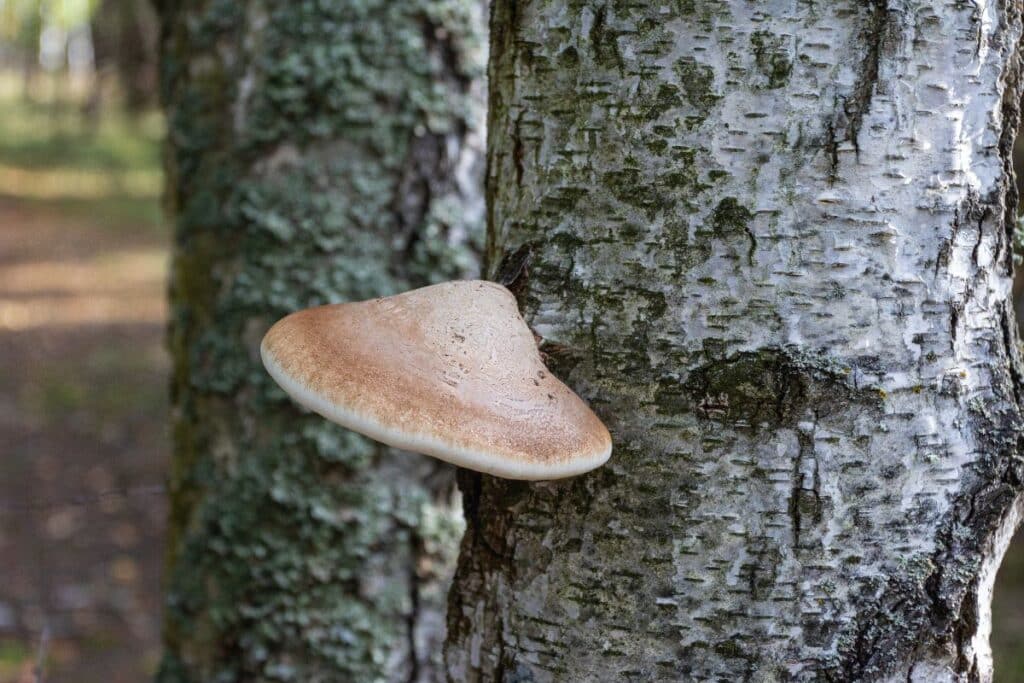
83 409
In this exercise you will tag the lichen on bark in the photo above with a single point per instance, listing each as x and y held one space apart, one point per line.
317 152
804 351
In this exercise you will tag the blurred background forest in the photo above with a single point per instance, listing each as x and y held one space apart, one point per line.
84 441
83 260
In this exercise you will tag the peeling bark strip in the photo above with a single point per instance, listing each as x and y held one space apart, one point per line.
318 152
769 243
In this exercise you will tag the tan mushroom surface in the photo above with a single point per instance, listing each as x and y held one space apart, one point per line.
451 370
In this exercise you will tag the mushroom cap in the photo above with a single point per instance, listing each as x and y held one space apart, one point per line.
449 370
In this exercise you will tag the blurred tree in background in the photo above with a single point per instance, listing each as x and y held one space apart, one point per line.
91 45
21 22
124 34
317 153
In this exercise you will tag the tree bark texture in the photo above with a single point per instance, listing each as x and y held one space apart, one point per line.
770 243
318 152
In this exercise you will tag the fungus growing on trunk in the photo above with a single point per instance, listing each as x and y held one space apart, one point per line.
449 370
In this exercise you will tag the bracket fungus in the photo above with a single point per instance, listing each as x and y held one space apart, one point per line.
451 370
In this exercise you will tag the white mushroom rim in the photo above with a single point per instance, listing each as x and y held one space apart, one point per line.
425 443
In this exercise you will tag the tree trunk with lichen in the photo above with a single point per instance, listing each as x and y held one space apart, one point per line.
317 152
770 243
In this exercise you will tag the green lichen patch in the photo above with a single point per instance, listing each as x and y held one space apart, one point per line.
604 41
659 194
698 83
729 217
667 98
772 56
771 387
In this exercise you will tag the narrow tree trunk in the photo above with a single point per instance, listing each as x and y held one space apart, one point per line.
124 38
318 152
770 244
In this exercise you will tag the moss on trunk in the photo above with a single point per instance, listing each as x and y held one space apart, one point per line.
317 152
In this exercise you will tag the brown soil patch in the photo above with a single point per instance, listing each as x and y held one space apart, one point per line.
83 447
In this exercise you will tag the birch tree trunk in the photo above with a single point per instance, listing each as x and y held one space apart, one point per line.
770 243
318 152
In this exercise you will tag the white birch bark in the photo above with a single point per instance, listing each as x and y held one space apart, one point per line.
770 243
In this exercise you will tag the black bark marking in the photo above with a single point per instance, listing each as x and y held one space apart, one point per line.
851 109
514 270
517 149
875 34
604 41
773 386
416 550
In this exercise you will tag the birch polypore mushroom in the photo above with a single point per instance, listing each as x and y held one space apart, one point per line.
449 370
